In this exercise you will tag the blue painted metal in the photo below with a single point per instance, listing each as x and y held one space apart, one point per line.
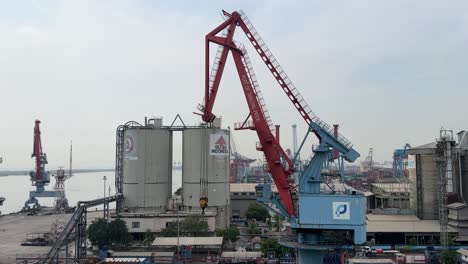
324 215
398 164
40 184
266 197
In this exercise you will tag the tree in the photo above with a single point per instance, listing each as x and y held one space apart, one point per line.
271 245
449 257
258 212
190 226
412 241
149 237
101 232
253 229
118 232
98 232
277 223
178 191
231 233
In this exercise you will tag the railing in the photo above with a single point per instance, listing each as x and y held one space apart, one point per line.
244 125
285 83
256 86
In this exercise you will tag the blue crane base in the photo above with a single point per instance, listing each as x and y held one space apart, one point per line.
33 203
333 212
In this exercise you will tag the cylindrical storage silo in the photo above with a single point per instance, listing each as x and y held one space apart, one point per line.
205 171
464 174
147 169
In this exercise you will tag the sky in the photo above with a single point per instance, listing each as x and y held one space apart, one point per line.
388 72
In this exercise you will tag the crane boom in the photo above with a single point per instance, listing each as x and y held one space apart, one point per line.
37 151
275 155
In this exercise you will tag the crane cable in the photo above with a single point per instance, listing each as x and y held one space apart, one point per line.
203 201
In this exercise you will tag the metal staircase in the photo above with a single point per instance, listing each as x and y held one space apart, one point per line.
286 84
256 86
78 223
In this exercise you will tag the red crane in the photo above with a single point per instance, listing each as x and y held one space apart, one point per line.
37 152
279 164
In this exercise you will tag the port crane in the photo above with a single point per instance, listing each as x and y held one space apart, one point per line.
39 177
399 165
315 210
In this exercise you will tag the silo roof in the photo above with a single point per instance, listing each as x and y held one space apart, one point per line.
428 148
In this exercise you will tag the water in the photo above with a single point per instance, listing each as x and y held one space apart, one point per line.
81 187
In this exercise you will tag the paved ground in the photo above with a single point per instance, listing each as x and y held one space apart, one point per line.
14 227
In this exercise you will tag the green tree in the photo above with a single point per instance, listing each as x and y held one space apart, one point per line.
231 233
449 257
277 223
412 241
253 229
149 237
271 245
101 233
190 226
118 232
178 191
194 226
98 232
258 212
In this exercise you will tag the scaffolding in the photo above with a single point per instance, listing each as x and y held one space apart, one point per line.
444 160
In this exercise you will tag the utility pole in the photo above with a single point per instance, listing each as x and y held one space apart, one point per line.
104 205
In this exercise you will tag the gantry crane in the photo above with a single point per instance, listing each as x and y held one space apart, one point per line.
316 210
399 166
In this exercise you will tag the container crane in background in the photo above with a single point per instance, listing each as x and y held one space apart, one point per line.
400 162
317 210
39 177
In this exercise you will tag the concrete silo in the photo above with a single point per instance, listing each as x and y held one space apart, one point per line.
205 171
147 169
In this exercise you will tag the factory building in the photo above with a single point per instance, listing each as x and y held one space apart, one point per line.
424 176
144 174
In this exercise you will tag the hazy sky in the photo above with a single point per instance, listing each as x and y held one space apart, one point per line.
389 72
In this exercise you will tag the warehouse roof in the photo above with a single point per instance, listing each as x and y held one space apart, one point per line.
404 225
188 241
463 251
428 148
400 218
393 187
241 254
142 254
124 260
248 187
457 205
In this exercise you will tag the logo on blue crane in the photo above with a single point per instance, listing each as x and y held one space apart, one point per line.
341 210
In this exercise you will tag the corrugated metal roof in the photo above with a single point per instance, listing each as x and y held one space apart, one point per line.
188 241
241 254
393 187
365 261
400 218
456 205
418 226
248 187
142 254
124 260
463 251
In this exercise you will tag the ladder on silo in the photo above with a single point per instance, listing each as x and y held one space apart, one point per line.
444 158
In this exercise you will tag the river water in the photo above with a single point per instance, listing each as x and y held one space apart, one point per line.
81 187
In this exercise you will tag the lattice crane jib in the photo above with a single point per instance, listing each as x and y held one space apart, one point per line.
279 163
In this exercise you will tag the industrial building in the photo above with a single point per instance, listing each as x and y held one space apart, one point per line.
424 176
144 174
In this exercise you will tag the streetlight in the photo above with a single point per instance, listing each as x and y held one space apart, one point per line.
104 205
174 202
